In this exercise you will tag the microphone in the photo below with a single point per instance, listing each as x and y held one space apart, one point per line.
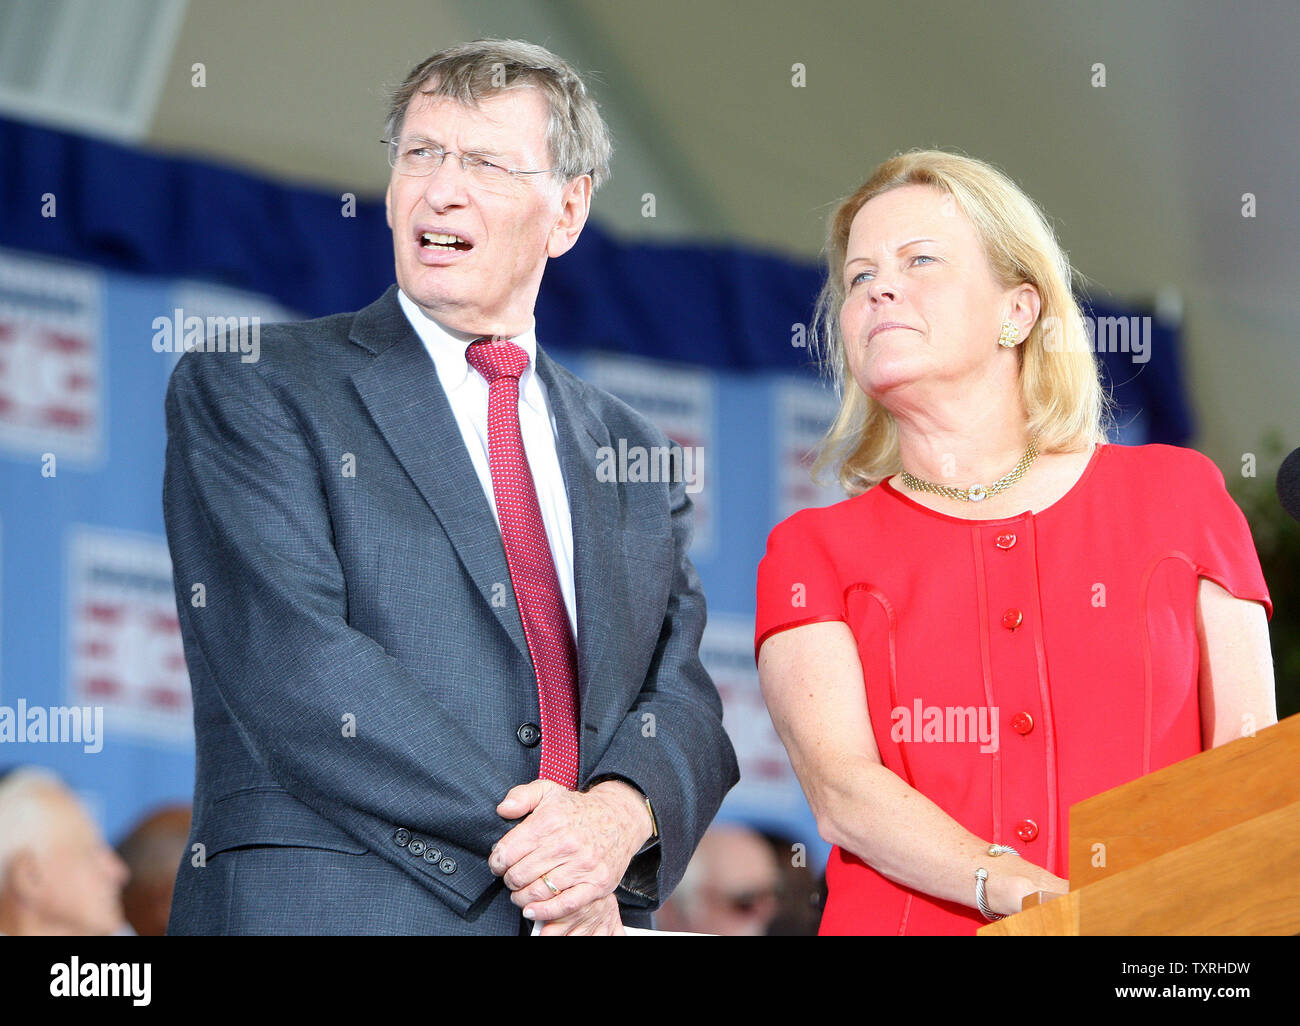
1288 484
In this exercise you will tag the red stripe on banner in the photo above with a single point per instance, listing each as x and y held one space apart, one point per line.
103 613
66 343
168 698
164 622
64 416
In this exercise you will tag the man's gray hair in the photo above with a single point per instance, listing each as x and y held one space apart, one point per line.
576 134
24 811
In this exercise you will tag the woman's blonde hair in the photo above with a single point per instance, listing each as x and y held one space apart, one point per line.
1059 378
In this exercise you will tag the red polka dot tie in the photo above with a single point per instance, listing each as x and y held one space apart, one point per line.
528 555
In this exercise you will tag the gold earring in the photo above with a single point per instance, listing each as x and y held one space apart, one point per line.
1010 335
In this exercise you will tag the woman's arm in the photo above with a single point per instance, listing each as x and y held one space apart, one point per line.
1238 696
812 682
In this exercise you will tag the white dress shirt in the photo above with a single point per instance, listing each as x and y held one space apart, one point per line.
467 392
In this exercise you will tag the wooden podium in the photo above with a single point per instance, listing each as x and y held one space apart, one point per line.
1209 845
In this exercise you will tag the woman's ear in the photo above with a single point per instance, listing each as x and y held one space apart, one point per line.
1026 305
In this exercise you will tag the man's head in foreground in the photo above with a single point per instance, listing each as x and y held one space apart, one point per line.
57 874
152 851
496 149
730 888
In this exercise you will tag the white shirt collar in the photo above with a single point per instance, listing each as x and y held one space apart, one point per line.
447 348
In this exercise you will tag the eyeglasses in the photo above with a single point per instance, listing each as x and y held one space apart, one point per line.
420 157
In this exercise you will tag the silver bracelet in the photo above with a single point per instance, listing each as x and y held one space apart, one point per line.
981 877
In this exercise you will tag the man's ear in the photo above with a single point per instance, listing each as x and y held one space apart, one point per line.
575 205
388 204
25 876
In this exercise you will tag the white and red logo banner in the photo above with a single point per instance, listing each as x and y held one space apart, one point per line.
51 359
803 413
124 639
680 401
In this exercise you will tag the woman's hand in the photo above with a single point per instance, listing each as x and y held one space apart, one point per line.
1008 886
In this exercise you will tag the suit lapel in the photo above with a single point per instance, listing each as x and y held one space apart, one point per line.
400 388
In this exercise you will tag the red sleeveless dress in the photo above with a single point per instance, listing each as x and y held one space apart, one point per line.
1073 629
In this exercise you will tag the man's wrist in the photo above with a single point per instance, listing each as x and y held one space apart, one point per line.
634 803
639 886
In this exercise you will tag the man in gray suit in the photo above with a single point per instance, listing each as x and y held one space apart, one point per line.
446 676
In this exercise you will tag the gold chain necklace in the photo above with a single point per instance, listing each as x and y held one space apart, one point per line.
977 493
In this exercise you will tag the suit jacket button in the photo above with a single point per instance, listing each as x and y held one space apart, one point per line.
416 847
432 855
530 734
448 865
402 837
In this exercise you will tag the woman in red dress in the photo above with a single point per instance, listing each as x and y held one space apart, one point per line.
1008 615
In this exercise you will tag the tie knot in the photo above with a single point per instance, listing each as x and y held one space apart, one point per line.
496 359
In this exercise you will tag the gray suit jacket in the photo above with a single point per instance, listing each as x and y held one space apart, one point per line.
358 663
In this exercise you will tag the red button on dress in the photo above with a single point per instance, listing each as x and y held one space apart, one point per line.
1012 618
1006 540
1026 829
1022 723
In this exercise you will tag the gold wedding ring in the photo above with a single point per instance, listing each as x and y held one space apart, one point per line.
546 879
